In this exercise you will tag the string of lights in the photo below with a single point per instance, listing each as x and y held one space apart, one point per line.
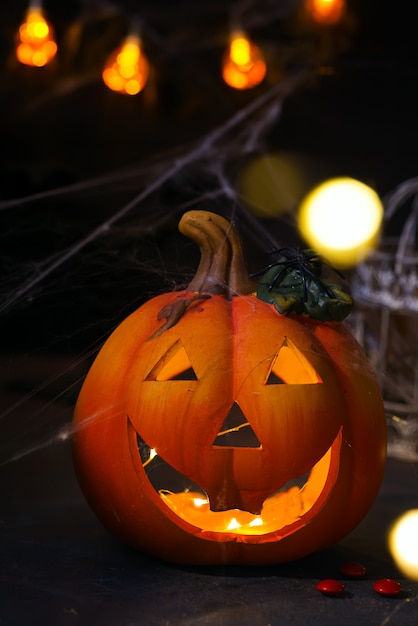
127 68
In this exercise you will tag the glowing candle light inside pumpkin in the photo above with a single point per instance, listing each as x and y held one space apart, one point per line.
403 543
325 11
127 68
243 64
36 45
200 501
341 220
233 524
283 507
152 455
136 399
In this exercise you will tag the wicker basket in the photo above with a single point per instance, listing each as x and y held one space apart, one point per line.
385 288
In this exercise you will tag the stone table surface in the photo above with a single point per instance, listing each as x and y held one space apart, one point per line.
60 566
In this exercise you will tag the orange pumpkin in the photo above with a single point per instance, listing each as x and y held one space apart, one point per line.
228 433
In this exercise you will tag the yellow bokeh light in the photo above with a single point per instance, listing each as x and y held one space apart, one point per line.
132 87
325 11
243 65
341 219
240 51
403 543
274 183
127 68
36 45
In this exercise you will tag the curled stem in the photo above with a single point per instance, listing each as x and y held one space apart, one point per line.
221 269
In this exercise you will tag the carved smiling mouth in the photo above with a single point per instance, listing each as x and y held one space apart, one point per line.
294 503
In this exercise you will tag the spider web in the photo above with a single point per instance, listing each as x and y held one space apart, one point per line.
118 259
92 186
83 250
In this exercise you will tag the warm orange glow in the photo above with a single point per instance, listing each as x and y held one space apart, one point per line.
36 45
127 68
293 367
296 485
243 64
279 510
325 11
174 362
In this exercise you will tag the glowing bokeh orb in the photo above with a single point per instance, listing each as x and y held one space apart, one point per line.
36 44
403 543
126 69
272 184
243 65
341 219
327 12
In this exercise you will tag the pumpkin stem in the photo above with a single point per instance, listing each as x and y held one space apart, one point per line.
221 269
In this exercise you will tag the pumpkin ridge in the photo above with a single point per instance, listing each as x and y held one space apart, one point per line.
321 431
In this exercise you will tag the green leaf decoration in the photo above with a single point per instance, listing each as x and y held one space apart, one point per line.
297 287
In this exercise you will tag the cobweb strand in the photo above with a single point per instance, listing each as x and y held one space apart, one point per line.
199 151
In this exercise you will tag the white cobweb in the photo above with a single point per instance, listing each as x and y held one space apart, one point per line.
79 257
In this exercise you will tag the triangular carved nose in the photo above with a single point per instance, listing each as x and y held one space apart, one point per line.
236 431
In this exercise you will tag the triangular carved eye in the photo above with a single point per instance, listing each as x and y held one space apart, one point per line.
274 379
236 431
291 367
173 365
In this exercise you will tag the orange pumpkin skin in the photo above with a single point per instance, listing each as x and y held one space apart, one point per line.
333 411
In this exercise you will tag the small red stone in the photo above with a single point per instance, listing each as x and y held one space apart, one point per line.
352 569
330 587
387 587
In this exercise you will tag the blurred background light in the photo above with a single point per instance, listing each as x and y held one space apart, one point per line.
275 183
327 12
403 543
127 69
36 44
243 65
341 220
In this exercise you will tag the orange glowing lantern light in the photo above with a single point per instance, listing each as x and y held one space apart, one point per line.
325 11
243 65
36 45
127 68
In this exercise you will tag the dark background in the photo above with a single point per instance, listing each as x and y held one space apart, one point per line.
73 157
73 153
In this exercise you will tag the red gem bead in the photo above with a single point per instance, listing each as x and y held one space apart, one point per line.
387 587
352 569
330 587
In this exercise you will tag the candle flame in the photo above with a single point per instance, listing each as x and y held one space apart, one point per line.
233 524
200 501
152 454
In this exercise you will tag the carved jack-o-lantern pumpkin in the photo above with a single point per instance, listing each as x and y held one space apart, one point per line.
228 432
